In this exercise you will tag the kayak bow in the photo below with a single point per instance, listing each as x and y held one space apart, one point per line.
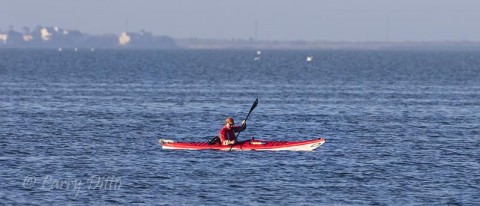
305 145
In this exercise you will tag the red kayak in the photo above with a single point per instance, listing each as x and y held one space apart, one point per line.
305 145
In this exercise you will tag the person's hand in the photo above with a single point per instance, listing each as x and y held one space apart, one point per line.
229 142
244 125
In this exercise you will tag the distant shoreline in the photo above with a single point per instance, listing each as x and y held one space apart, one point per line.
198 44
194 43
58 38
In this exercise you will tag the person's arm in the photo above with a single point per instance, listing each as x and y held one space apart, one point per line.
240 128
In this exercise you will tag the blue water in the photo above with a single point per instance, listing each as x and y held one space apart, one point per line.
82 128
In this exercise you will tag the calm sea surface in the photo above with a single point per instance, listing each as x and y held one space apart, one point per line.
82 128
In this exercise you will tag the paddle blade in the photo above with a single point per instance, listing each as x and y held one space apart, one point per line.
254 105
251 109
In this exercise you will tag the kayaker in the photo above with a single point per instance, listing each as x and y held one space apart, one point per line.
227 133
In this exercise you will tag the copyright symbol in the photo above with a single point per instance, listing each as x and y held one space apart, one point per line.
29 181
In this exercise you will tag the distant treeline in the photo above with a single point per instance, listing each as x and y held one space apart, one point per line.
55 37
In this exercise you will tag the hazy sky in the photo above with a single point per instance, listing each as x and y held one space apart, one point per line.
333 20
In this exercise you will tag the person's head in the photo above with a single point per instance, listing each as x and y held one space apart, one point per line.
229 122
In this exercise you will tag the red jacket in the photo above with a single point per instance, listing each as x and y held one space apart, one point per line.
229 134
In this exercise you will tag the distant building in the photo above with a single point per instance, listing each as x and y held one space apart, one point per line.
145 40
124 39
3 38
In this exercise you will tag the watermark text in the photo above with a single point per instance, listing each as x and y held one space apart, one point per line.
73 186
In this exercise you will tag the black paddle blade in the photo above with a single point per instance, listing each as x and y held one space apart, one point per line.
252 108
254 105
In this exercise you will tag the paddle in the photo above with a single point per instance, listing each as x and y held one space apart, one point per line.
251 109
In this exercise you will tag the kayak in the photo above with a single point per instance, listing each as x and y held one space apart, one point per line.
305 145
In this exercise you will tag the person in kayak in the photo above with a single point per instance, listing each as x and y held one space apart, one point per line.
227 133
